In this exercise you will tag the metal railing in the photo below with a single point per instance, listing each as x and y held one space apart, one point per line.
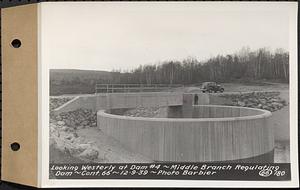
123 88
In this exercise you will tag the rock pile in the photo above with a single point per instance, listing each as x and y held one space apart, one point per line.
65 144
78 119
57 102
66 140
143 112
263 100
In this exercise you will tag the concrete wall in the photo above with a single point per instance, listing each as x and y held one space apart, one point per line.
215 99
87 102
189 99
204 99
131 100
122 100
209 111
190 139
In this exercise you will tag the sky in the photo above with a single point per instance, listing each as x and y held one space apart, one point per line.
122 36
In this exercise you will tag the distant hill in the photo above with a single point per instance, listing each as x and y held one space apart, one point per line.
69 74
73 81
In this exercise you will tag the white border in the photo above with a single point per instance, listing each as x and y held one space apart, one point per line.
44 108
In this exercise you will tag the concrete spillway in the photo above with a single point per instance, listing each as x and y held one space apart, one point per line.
191 133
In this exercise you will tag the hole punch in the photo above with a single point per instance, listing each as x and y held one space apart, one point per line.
15 146
16 43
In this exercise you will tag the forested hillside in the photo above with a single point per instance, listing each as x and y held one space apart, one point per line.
246 65
71 81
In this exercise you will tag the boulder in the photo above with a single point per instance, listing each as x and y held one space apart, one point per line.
61 123
85 146
89 154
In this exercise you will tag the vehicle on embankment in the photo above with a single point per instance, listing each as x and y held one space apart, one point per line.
211 87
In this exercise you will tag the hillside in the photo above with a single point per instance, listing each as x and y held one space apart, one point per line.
72 81
70 74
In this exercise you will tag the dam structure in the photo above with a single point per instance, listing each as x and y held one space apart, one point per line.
194 127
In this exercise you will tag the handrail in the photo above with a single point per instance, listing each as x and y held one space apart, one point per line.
112 88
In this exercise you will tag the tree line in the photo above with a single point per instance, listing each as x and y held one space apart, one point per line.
243 65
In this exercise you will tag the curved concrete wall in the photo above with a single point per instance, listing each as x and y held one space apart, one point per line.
214 111
222 137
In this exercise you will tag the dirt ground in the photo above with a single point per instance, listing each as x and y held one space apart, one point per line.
280 120
233 87
281 123
110 150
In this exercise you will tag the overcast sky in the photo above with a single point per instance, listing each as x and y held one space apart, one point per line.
106 36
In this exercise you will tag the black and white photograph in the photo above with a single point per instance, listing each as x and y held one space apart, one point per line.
170 90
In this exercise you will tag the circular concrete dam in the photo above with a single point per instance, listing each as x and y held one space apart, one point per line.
201 133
